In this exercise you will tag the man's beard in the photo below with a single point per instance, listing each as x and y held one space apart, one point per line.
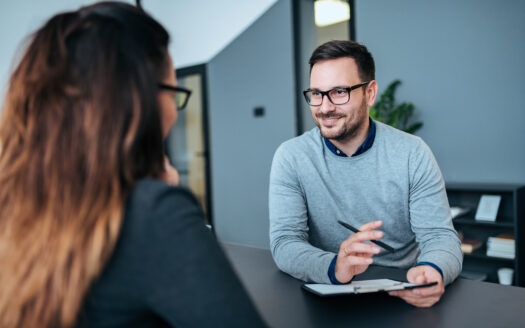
348 130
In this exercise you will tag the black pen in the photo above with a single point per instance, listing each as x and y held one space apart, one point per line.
377 242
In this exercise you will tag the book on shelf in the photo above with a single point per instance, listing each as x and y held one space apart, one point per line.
505 255
504 238
502 245
470 245
499 247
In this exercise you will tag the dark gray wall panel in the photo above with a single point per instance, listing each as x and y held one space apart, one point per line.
255 70
461 63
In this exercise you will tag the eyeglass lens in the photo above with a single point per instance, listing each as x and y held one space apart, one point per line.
180 99
337 96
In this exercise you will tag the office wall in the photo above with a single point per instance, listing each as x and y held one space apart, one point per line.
255 70
461 63
199 28
18 19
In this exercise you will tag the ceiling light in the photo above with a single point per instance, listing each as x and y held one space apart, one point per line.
328 12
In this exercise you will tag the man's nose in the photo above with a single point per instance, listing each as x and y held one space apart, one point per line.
326 105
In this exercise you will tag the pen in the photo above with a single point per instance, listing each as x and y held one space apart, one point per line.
377 242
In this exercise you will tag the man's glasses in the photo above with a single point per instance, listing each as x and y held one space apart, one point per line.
337 96
181 94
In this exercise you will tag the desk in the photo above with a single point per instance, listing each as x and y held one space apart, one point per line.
283 303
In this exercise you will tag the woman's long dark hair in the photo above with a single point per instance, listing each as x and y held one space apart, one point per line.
81 124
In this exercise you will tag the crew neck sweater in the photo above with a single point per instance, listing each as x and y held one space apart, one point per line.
397 181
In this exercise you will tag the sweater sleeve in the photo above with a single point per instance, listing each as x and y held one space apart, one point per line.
289 244
189 281
430 216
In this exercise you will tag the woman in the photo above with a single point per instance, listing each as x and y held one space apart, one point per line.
89 234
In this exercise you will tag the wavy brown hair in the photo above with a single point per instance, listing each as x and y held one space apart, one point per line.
80 125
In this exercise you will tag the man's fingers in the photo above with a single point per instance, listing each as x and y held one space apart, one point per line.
421 279
365 236
416 300
418 292
371 225
416 275
428 291
424 296
421 302
353 248
357 260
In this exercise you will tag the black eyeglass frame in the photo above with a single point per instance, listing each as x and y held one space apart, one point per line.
187 92
326 93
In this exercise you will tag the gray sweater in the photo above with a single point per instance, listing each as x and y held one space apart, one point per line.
397 180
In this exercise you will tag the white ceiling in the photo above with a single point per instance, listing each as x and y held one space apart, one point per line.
199 28
202 28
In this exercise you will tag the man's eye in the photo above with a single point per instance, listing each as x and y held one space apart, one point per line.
316 93
340 92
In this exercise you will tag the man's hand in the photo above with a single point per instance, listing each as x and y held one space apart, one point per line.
170 176
354 256
422 297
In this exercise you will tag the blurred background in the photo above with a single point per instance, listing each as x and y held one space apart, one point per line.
460 63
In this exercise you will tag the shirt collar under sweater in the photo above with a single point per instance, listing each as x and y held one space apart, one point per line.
367 144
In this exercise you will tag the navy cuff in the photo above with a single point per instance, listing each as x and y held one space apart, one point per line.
432 265
331 273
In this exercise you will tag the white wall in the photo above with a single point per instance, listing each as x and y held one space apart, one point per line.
20 18
199 28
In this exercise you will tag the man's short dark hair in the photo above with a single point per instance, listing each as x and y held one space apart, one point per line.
345 48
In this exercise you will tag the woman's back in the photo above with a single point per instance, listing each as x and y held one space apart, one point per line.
167 269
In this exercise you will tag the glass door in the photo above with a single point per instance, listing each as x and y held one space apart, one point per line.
187 143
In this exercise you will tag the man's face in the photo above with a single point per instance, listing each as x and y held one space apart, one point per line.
338 122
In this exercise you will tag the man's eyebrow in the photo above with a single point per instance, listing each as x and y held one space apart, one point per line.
332 88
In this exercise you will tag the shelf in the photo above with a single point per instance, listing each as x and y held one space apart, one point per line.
472 221
483 187
481 253
511 214
484 256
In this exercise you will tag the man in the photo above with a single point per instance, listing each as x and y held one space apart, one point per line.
365 173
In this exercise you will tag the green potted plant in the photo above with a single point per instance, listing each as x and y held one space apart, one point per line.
397 115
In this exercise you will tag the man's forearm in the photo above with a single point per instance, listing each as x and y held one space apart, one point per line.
301 260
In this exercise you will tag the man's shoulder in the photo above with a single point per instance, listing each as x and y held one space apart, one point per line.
400 144
396 138
307 143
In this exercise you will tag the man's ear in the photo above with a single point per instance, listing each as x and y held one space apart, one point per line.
371 93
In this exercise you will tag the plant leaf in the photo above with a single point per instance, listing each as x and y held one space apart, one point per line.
414 127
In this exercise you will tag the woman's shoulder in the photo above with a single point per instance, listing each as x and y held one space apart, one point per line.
151 193
154 205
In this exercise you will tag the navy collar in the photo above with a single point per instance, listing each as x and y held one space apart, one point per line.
367 144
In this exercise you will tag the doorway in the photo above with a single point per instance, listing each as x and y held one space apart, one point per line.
187 145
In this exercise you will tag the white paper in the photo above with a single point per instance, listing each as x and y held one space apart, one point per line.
457 211
488 208
356 287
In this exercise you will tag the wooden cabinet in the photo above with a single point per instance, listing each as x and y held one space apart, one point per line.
510 219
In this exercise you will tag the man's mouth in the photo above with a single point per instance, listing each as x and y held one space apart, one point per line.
329 120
